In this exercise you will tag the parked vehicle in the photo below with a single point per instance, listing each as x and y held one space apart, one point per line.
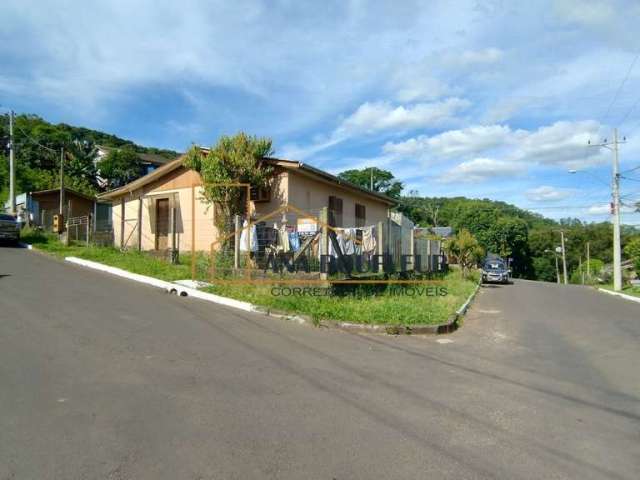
9 228
495 270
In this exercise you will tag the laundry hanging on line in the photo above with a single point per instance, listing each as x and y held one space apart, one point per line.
245 238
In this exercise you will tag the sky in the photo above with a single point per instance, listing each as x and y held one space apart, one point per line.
484 99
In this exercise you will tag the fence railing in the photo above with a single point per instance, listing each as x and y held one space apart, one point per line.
281 246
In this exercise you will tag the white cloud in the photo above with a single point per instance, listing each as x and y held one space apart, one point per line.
482 169
381 118
378 116
471 140
605 209
412 86
599 209
546 193
586 12
473 58
560 144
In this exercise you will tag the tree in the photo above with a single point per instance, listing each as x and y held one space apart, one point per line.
383 180
236 159
544 268
120 167
466 250
80 161
632 250
595 266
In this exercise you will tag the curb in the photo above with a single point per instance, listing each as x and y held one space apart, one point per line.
184 291
618 294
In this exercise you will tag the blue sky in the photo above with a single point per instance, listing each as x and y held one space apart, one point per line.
491 99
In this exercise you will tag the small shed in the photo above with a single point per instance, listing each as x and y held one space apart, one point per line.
76 204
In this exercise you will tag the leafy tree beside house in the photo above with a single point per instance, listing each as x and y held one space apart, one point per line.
120 167
383 180
233 159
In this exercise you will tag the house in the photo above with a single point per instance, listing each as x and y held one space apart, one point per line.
442 232
438 232
150 161
165 209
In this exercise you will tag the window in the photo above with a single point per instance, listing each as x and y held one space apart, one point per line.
335 211
260 194
361 215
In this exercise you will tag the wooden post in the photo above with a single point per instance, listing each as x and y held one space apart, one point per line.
139 224
95 218
193 233
122 224
174 216
412 248
324 238
380 240
588 265
236 245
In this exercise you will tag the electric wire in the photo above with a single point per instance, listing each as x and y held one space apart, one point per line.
615 97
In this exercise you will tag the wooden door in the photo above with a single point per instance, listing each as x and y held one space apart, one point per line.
162 224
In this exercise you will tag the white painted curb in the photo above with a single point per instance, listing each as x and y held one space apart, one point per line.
167 286
465 306
623 295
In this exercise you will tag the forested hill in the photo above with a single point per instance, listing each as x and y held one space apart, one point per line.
51 134
38 144
528 238
458 212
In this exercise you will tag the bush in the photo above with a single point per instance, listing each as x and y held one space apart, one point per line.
35 235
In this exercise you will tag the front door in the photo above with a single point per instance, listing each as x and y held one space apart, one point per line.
162 224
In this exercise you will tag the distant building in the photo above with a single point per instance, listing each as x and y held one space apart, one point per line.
150 161
38 208
440 232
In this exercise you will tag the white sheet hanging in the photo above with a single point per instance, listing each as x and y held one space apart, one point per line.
368 240
248 243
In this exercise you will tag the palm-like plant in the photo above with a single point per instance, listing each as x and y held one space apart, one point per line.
466 250
81 161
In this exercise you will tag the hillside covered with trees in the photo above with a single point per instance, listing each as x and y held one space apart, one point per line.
38 144
528 238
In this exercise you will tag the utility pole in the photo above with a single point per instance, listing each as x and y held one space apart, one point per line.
557 269
615 209
588 264
564 258
617 258
61 181
581 272
371 178
12 168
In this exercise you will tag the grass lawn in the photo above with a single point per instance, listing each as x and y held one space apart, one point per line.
395 305
627 290
132 261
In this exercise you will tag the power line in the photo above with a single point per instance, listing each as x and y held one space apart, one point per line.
35 141
615 97
633 107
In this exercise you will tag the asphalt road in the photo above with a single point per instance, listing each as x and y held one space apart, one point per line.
101 378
